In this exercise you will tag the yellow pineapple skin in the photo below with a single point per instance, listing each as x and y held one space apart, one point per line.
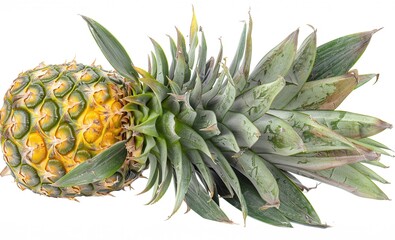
57 116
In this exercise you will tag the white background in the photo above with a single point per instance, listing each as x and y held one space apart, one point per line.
51 31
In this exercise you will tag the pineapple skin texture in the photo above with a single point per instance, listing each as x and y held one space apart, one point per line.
57 116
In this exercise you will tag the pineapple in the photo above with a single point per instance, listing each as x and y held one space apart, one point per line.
57 116
216 130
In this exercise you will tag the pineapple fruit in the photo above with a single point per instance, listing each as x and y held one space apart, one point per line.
216 130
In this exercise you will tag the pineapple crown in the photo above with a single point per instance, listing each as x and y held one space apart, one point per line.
225 131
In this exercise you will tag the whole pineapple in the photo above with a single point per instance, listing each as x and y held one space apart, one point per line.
216 130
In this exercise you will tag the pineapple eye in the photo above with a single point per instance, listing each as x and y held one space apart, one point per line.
39 149
101 94
5 112
63 86
82 156
19 84
11 153
21 123
50 115
88 75
76 103
35 96
56 169
29 176
66 137
46 74
94 127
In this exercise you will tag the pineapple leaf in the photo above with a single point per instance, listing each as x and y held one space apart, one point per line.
370 145
209 81
244 130
207 124
317 163
227 174
277 136
183 171
190 139
257 101
202 169
153 175
101 166
275 63
112 49
201 65
226 140
252 166
326 94
294 204
166 125
298 73
162 189
368 172
316 137
241 76
162 65
345 177
349 124
173 51
255 202
239 52
362 79
201 203
221 103
337 57
193 39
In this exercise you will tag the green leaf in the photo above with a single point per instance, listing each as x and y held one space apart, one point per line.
112 49
325 94
182 168
336 57
190 139
222 102
193 39
316 137
101 166
254 203
345 177
275 63
160 90
241 76
206 124
243 129
294 204
299 72
209 81
153 176
252 166
368 172
162 65
362 79
350 124
225 171
277 136
196 94
173 51
202 169
147 127
201 203
201 65
239 52
166 126
225 141
257 101
319 161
